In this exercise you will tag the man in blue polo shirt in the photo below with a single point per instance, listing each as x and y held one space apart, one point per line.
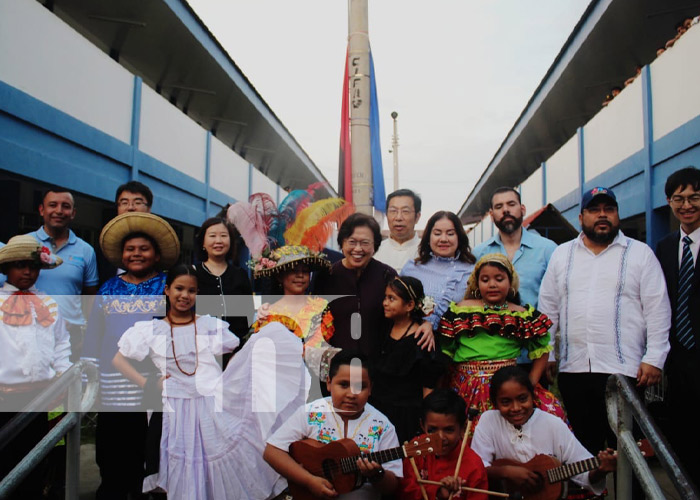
528 251
78 274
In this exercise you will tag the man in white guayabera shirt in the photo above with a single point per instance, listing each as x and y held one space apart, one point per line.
604 292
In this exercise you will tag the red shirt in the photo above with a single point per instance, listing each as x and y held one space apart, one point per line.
434 468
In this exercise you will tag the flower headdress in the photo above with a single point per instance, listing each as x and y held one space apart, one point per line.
285 258
26 247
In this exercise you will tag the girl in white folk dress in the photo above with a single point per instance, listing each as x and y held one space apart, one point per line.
214 429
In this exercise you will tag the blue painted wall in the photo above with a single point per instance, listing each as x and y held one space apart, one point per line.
638 181
44 143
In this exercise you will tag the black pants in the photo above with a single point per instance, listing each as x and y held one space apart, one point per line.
584 399
681 421
120 448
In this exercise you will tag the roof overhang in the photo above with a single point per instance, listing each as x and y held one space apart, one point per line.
611 39
170 48
550 223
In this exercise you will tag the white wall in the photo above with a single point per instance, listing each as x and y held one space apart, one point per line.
531 192
228 172
675 84
262 184
47 59
615 133
170 136
562 170
475 235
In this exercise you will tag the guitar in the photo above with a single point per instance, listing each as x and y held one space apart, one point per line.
337 461
553 473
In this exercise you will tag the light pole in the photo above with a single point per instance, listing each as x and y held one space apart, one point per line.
395 149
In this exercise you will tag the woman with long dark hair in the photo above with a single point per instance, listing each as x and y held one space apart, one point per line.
444 262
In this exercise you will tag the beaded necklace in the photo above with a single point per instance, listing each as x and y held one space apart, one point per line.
172 342
496 307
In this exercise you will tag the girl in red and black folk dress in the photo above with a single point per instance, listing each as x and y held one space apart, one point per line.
487 330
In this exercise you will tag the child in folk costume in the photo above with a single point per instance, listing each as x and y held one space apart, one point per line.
34 349
517 430
445 413
345 414
487 330
214 424
307 316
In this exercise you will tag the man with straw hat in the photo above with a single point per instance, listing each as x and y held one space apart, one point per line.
34 349
144 245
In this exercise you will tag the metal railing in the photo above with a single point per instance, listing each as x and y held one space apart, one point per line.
624 408
77 404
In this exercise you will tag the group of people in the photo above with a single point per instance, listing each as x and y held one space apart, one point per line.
400 337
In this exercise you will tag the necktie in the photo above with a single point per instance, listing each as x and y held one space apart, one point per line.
684 330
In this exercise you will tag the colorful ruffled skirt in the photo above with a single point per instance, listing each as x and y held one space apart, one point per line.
472 381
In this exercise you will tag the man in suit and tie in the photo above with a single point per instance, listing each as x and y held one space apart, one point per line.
678 254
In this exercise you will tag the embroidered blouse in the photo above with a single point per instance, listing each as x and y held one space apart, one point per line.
475 333
118 306
372 431
313 323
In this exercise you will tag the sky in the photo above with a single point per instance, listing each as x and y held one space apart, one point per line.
457 72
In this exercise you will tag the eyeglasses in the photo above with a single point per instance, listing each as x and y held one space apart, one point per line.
138 202
364 244
393 212
608 209
679 201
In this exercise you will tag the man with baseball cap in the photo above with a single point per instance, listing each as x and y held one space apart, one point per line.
602 290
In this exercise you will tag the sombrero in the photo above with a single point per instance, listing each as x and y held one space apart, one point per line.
114 232
26 247
286 258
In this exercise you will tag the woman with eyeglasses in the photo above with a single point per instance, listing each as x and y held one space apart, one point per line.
359 281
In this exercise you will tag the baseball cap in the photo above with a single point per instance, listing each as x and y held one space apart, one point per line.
589 195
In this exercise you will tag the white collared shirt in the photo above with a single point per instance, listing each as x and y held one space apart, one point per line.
694 246
543 433
612 309
32 353
395 254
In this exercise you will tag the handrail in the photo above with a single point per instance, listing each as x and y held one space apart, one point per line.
78 403
624 407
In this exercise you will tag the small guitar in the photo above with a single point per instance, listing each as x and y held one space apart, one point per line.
553 473
337 461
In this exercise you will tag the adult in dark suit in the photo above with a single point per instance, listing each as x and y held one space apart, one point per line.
683 283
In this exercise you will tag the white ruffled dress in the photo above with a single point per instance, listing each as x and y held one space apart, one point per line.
215 424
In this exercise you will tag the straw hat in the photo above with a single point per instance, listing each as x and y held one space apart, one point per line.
286 258
26 247
114 232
